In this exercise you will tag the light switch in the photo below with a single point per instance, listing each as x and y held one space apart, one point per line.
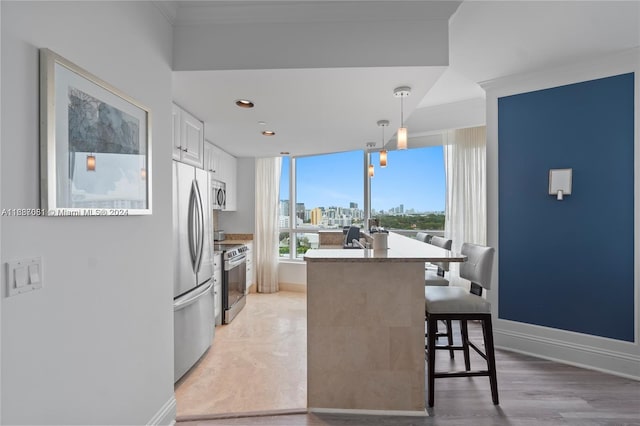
34 273
24 275
20 276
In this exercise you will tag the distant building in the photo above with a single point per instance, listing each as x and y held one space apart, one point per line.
284 207
316 216
300 210
353 205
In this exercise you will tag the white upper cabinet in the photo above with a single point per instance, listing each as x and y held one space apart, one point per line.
188 138
176 127
223 167
229 166
212 156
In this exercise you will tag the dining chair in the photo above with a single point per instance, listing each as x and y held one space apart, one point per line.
456 303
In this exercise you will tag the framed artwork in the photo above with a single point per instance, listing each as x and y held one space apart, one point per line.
95 144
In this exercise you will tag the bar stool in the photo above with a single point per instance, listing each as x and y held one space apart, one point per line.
436 277
455 303
424 237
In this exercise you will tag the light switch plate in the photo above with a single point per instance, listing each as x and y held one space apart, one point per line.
24 275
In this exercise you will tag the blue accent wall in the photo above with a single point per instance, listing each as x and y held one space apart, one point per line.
568 264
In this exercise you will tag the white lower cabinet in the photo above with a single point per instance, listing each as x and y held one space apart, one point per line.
217 289
250 270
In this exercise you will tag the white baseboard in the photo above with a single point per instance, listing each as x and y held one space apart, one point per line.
370 412
618 363
166 415
300 288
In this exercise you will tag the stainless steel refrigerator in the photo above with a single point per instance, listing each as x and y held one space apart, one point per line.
193 266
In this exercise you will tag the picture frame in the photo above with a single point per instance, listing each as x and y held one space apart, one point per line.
95 144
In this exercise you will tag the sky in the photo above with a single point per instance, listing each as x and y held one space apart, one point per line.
414 177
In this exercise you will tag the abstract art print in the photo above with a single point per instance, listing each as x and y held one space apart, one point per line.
94 144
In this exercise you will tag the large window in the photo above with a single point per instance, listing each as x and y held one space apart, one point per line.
327 192
409 194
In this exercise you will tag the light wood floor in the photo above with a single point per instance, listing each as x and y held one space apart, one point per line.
256 371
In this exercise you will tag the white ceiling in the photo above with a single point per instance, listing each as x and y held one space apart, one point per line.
320 102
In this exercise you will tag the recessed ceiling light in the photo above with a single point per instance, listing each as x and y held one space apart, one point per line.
262 123
269 133
244 103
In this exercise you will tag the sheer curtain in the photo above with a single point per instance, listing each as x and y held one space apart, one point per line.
267 224
466 190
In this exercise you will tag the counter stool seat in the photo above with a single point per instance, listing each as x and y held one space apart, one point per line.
432 278
454 300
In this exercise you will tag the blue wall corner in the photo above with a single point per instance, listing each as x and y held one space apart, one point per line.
568 264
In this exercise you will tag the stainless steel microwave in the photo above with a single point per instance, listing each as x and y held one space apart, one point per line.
218 195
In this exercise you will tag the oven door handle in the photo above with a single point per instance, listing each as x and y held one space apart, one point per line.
232 263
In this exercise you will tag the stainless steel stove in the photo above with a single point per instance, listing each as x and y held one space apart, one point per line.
234 279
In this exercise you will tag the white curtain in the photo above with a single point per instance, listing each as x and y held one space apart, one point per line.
466 190
267 224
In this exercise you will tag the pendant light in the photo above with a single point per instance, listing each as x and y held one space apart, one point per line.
370 145
91 163
383 152
402 92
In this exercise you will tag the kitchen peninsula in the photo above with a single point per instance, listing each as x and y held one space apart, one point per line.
365 327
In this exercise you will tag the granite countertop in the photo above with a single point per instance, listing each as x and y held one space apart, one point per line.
401 249
236 239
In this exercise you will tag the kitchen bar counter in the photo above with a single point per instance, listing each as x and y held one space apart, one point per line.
365 327
401 249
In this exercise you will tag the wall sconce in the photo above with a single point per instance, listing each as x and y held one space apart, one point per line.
560 182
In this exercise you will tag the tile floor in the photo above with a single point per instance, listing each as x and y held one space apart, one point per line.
256 363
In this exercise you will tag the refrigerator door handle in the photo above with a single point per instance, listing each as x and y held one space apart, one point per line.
192 230
200 230
182 303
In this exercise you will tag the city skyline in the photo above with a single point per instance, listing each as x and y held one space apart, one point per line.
413 178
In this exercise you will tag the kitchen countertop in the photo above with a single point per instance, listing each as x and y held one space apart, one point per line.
401 249
230 242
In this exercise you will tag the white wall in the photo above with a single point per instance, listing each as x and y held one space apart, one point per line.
292 273
599 353
312 35
95 345
243 220
0 220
